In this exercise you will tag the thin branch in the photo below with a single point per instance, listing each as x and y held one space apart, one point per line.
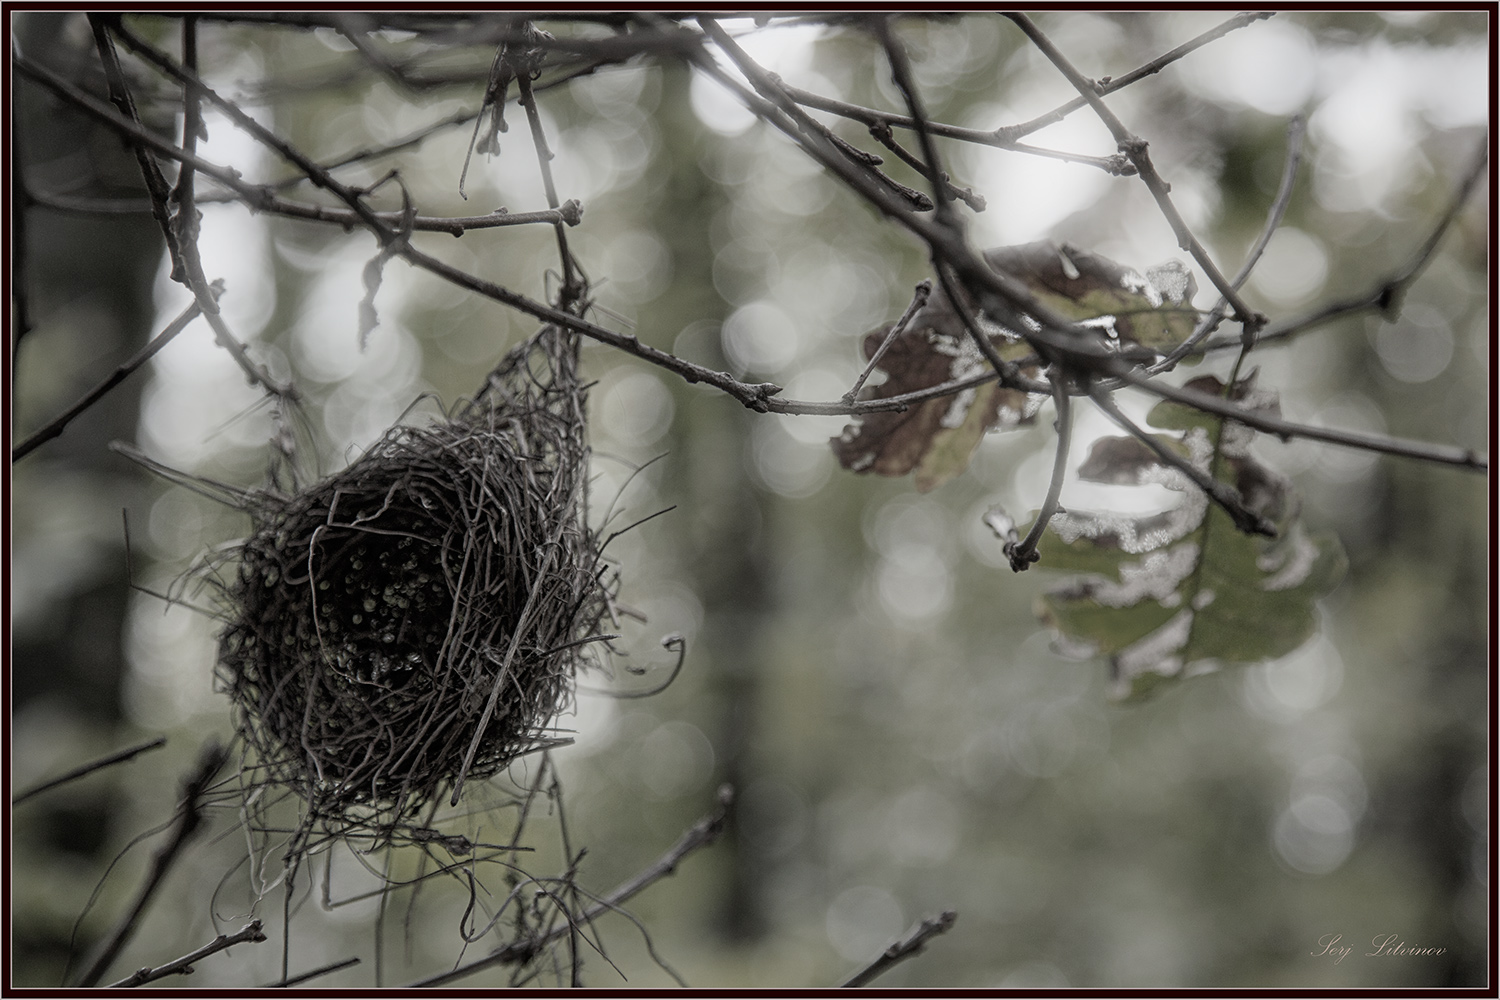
1108 85
874 119
1393 292
699 835
187 266
186 217
59 423
901 75
118 757
1296 130
1387 294
1024 554
184 966
1008 371
1002 294
319 176
189 817
918 300
883 135
321 970
1136 148
1221 493
527 64
909 947
1464 458
119 95
1004 297
569 213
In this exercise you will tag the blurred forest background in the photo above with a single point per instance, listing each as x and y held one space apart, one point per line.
862 664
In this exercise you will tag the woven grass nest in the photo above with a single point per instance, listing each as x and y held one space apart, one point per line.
416 620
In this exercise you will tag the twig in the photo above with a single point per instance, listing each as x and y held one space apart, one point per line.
909 947
261 200
189 817
918 300
1386 294
700 834
755 396
1136 148
1108 85
186 217
1295 132
1024 554
874 119
259 132
187 266
570 213
118 757
1064 340
882 134
184 966
321 970
1008 371
1465 458
1393 292
573 289
1221 493
895 54
119 95
59 423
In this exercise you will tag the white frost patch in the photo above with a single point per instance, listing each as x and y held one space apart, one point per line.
1131 281
958 409
1105 324
1069 268
1172 281
1289 565
1158 576
1001 523
1154 652
1174 523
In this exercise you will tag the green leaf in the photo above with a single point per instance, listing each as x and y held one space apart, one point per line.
1179 592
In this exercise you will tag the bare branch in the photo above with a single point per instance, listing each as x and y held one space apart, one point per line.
59 423
118 757
1295 132
909 947
321 970
1108 85
1024 554
189 817
699 835
895 54
184 966
1386 295
885 120
918 300
1136 148
1286 430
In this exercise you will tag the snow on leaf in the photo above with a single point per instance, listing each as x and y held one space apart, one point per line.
1175 593
1155 311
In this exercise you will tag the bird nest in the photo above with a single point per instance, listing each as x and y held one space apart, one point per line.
417 620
